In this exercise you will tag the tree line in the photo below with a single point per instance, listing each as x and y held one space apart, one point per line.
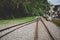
22 8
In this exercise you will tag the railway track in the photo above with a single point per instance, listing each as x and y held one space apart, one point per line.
47 29
15 27
36 31
27 23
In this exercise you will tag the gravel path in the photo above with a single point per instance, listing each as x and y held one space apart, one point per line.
2 26
28 32
24 33
54 30
42 32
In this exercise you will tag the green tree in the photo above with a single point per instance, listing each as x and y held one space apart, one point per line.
22 8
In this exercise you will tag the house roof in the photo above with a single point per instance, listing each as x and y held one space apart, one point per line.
54 2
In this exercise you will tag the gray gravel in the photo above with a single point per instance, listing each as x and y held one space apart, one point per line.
28 32
42 32
2 26
24 33
54 30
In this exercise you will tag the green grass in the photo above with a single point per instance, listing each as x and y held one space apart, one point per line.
25 19
58 24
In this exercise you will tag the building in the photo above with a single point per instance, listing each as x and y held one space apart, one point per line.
54 7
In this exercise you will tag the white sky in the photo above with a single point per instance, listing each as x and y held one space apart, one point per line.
54 2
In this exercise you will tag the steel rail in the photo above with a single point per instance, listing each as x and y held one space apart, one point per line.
47 29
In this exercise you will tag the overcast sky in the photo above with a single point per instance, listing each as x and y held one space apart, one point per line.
54 2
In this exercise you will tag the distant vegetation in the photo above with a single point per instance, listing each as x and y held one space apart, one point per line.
10 9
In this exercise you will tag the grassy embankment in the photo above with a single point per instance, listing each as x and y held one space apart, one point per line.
25 19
